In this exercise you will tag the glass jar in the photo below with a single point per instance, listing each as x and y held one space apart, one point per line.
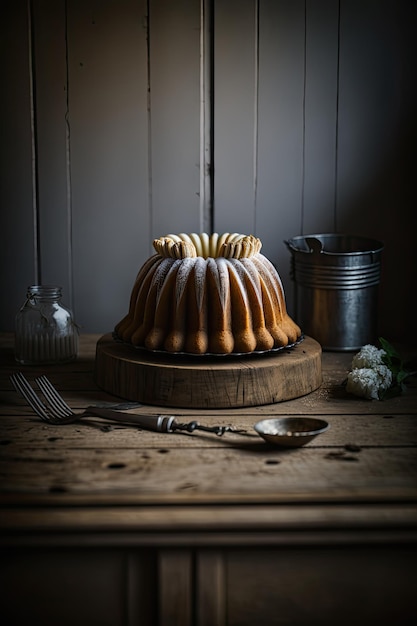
45 331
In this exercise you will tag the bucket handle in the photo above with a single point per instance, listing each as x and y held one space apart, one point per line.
315 245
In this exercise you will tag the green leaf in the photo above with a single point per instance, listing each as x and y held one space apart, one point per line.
389 348
401 376
391 392
400 370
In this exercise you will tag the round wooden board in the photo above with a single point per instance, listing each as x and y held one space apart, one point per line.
207 382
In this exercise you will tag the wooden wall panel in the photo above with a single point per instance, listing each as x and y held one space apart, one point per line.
18 267
108 125
377 134
78 585
176 587
313 127
52 158
320 117
174 60
321 586
367 114
280 130
235 92
211 600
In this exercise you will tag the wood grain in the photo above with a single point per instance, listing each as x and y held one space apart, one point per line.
249 470
175 585
211 382
198 529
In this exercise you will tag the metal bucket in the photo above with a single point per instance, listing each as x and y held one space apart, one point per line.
336 288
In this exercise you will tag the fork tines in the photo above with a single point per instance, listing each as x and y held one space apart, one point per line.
59 406
22 386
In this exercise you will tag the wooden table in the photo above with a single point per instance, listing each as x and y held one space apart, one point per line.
111 525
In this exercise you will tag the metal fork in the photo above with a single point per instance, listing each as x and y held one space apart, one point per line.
57 412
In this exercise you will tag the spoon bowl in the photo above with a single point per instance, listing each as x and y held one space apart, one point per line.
291 432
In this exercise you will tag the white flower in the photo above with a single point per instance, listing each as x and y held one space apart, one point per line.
385 376
369 382
368 357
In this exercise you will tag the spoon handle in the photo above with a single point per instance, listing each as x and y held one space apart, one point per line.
158 423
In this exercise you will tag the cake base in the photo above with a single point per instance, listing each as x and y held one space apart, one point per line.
207 381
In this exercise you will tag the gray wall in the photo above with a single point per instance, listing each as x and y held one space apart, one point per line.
299 117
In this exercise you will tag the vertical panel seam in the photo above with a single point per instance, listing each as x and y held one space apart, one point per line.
206 116
256 118
303 165
336 156
148 69
34 144
68 166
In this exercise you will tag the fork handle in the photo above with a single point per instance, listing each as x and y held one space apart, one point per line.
158 423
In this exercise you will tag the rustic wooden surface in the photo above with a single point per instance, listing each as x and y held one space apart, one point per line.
205 381
198 529
369 451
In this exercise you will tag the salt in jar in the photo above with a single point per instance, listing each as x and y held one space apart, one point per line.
45 331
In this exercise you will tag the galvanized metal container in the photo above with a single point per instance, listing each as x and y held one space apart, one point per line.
336 288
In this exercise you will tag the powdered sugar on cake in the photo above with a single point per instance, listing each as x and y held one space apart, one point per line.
207 293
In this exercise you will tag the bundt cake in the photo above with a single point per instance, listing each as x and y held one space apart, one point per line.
208 294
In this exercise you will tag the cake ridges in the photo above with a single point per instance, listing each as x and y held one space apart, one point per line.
212 294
